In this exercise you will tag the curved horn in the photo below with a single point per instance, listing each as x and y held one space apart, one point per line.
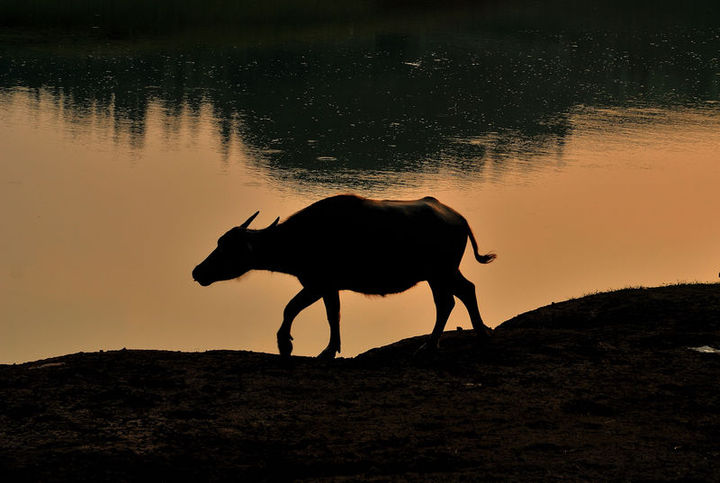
274 223
249 220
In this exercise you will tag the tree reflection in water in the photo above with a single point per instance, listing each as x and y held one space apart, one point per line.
345 112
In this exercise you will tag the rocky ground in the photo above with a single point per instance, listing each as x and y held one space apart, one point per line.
604 387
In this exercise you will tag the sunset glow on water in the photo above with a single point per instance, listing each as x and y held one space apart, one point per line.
110 199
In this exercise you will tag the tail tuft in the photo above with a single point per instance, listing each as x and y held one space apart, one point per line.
487 258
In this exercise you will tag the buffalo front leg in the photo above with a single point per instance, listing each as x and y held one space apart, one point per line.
332 308
302 300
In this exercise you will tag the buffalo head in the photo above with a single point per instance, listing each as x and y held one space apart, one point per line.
232 258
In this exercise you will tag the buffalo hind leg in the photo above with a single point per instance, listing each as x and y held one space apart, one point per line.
303 299
464 289
332 309
444 303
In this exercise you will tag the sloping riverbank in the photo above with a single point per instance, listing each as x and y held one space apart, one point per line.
602 387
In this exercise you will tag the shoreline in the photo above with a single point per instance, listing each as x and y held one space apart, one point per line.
555 311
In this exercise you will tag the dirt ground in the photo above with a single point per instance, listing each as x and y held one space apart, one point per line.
604 387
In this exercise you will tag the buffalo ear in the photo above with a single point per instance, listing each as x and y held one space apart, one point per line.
274 223
249 220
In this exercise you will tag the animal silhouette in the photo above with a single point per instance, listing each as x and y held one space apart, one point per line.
347 242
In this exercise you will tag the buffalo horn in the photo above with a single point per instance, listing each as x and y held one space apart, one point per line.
274 222
249 220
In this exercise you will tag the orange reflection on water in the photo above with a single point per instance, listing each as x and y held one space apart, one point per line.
101 229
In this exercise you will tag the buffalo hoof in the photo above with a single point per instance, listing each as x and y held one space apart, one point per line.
285 346
485 332
327 355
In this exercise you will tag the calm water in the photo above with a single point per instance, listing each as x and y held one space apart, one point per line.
589 159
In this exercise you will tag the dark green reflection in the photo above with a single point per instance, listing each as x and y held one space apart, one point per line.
471 99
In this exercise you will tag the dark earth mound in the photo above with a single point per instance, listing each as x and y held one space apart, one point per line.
604 387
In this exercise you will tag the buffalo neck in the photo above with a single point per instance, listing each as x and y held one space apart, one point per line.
271 250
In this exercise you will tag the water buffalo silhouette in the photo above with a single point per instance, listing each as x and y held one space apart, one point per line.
347 242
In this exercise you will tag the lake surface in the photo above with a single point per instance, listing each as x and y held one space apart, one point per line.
588 158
